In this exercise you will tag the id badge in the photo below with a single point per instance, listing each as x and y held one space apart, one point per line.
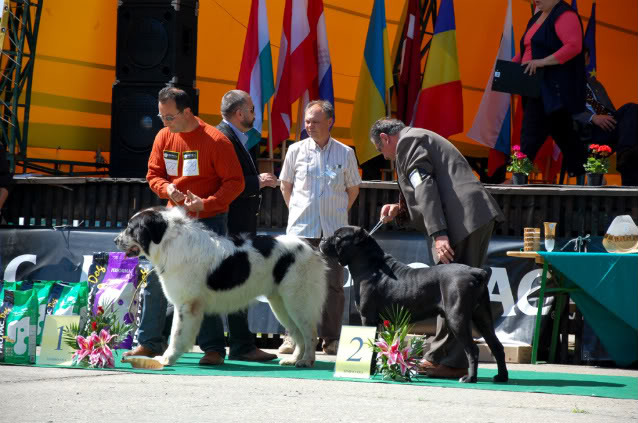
171 161
191 164
332 176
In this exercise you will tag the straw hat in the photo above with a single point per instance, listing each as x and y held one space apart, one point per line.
621 236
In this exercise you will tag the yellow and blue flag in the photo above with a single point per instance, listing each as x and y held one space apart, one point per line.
375 81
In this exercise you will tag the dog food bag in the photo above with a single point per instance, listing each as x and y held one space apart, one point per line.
114 279
6 285
18 321
73 301
43 289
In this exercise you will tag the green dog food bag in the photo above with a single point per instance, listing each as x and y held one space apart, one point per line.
73 300
18 321
6 285
43 288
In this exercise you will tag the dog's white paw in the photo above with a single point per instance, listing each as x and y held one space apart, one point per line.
287 361
168 359
304 363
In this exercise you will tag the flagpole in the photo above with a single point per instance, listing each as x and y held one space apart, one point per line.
388 108
300 118
271 156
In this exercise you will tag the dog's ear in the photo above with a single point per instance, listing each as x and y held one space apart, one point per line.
360 235
150 226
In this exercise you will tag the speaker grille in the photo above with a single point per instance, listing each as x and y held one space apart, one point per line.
156 43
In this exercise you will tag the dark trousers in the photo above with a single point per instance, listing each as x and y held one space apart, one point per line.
445 349
538 125
211 334
242 218
332 317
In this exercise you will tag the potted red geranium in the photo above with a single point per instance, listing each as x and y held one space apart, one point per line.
597 163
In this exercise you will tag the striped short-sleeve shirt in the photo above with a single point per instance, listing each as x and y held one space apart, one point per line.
319 177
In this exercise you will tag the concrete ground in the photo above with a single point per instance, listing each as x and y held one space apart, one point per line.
32 394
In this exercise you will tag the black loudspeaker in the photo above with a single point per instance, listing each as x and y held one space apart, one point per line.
156 41
134 125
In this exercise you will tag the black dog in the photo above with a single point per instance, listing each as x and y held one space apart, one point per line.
455 291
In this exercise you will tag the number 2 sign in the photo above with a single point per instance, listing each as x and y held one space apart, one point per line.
53 350
354 355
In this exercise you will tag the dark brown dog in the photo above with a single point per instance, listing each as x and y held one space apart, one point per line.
455 291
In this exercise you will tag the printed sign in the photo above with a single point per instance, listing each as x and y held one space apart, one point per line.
53 350
354 355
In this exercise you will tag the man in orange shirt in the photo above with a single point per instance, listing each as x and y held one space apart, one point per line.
192 165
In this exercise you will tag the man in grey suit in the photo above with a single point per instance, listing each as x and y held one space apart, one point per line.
441 197
601 123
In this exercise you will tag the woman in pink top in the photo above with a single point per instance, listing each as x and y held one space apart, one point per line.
553 41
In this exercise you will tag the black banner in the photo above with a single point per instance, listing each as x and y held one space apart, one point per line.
66 254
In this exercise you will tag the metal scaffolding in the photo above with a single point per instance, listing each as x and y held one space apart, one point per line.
19 26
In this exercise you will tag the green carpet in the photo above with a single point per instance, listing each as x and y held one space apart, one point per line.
621 387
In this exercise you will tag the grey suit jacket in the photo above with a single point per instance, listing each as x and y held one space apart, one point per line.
440 190
584 117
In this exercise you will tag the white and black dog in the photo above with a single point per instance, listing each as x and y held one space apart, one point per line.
202 272
456 291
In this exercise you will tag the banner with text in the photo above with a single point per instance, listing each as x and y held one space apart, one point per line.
47 254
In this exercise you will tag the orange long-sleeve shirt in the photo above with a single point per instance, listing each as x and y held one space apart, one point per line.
202 161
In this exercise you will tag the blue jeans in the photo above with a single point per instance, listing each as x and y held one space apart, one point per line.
211 333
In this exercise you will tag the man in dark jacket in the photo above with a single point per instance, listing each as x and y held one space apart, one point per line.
238 113
440 196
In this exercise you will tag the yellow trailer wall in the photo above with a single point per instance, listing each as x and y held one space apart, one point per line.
75 62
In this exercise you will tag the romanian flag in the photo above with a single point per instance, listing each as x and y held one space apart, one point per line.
255 73
440 103
375 80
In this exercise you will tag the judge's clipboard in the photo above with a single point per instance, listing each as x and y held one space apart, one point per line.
509 78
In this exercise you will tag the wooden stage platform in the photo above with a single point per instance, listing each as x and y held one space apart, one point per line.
107 202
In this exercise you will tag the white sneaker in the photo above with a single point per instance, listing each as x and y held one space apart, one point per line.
288 347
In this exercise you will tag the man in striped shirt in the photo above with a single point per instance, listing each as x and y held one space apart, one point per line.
319 182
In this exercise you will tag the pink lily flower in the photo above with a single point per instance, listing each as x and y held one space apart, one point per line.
105 337
403 359
86 346
393 352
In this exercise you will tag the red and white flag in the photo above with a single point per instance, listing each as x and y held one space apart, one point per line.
304 66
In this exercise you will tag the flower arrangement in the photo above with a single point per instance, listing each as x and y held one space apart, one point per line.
397 357
598 160
95 342
519 162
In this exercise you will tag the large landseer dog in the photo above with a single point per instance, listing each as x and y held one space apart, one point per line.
456 291
202 272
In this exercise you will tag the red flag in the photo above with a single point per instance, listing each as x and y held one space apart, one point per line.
297 69
410 64
549 160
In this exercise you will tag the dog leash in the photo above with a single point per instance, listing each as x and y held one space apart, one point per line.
377 226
